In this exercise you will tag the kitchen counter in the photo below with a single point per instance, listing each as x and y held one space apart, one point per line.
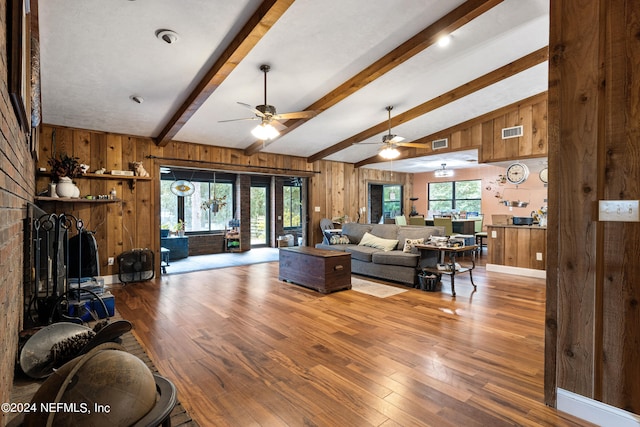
519 246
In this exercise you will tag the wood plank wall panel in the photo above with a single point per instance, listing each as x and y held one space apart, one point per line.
511 246
495 245
621 241
539 129
533 117
537 243
594 94
578 181
523 255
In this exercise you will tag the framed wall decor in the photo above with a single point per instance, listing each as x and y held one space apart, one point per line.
18 44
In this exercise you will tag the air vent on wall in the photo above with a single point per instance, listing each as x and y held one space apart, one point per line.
439 144
512 132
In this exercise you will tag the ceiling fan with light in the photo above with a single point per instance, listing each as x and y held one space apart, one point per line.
391 141
268 116
443 172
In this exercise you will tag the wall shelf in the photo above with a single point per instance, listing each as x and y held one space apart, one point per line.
132 179
73 200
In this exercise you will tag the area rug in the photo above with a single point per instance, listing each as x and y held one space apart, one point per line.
224 260
373 288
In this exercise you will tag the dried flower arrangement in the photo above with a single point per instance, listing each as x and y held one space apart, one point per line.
65 166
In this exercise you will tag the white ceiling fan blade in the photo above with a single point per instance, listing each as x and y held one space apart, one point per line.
257 112
396 138
237 120
297 115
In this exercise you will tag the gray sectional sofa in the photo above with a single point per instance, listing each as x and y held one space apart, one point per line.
394 264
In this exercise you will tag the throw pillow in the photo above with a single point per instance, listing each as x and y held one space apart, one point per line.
409 245
336 239
378 242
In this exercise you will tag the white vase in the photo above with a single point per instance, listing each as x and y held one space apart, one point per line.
52 190
66 187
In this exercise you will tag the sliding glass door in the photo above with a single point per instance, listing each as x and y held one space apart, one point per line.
259 214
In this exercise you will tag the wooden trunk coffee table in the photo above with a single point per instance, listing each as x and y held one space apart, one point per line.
319 269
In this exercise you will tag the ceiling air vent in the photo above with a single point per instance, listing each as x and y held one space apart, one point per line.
439 144
512 132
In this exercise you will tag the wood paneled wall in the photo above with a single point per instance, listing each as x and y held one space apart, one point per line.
532 115
341 189
593 282
485 134
337 189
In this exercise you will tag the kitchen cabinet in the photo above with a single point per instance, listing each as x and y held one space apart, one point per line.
517 246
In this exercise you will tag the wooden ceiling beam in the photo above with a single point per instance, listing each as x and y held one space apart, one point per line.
460 16
256 27
468 88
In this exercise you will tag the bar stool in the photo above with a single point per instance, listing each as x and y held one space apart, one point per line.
480 235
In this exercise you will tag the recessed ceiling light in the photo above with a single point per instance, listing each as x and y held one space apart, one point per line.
137 99
167 36
444 41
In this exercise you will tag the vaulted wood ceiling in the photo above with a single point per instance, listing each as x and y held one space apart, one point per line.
346 60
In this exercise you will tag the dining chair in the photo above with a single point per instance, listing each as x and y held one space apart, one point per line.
446 223
480 234
401 220
416 220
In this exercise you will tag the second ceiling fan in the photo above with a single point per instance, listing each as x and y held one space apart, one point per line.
268 116
391 141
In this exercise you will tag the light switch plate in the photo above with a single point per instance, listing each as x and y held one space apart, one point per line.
619 210
317 209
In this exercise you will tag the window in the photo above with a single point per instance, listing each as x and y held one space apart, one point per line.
189 208
455 196
391 200
291 206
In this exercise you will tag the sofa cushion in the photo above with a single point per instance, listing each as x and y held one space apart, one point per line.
386 231
341 248
395 258
410 245
355 231
361 253
378 242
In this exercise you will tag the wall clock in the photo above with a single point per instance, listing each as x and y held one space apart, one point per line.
544 175
517 173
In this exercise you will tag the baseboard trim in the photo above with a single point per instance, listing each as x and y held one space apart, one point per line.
518 271
593 411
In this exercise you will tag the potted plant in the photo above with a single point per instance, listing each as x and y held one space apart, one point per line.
164 230
63 169
179 227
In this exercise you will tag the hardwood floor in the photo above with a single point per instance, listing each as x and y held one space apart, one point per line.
245 349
